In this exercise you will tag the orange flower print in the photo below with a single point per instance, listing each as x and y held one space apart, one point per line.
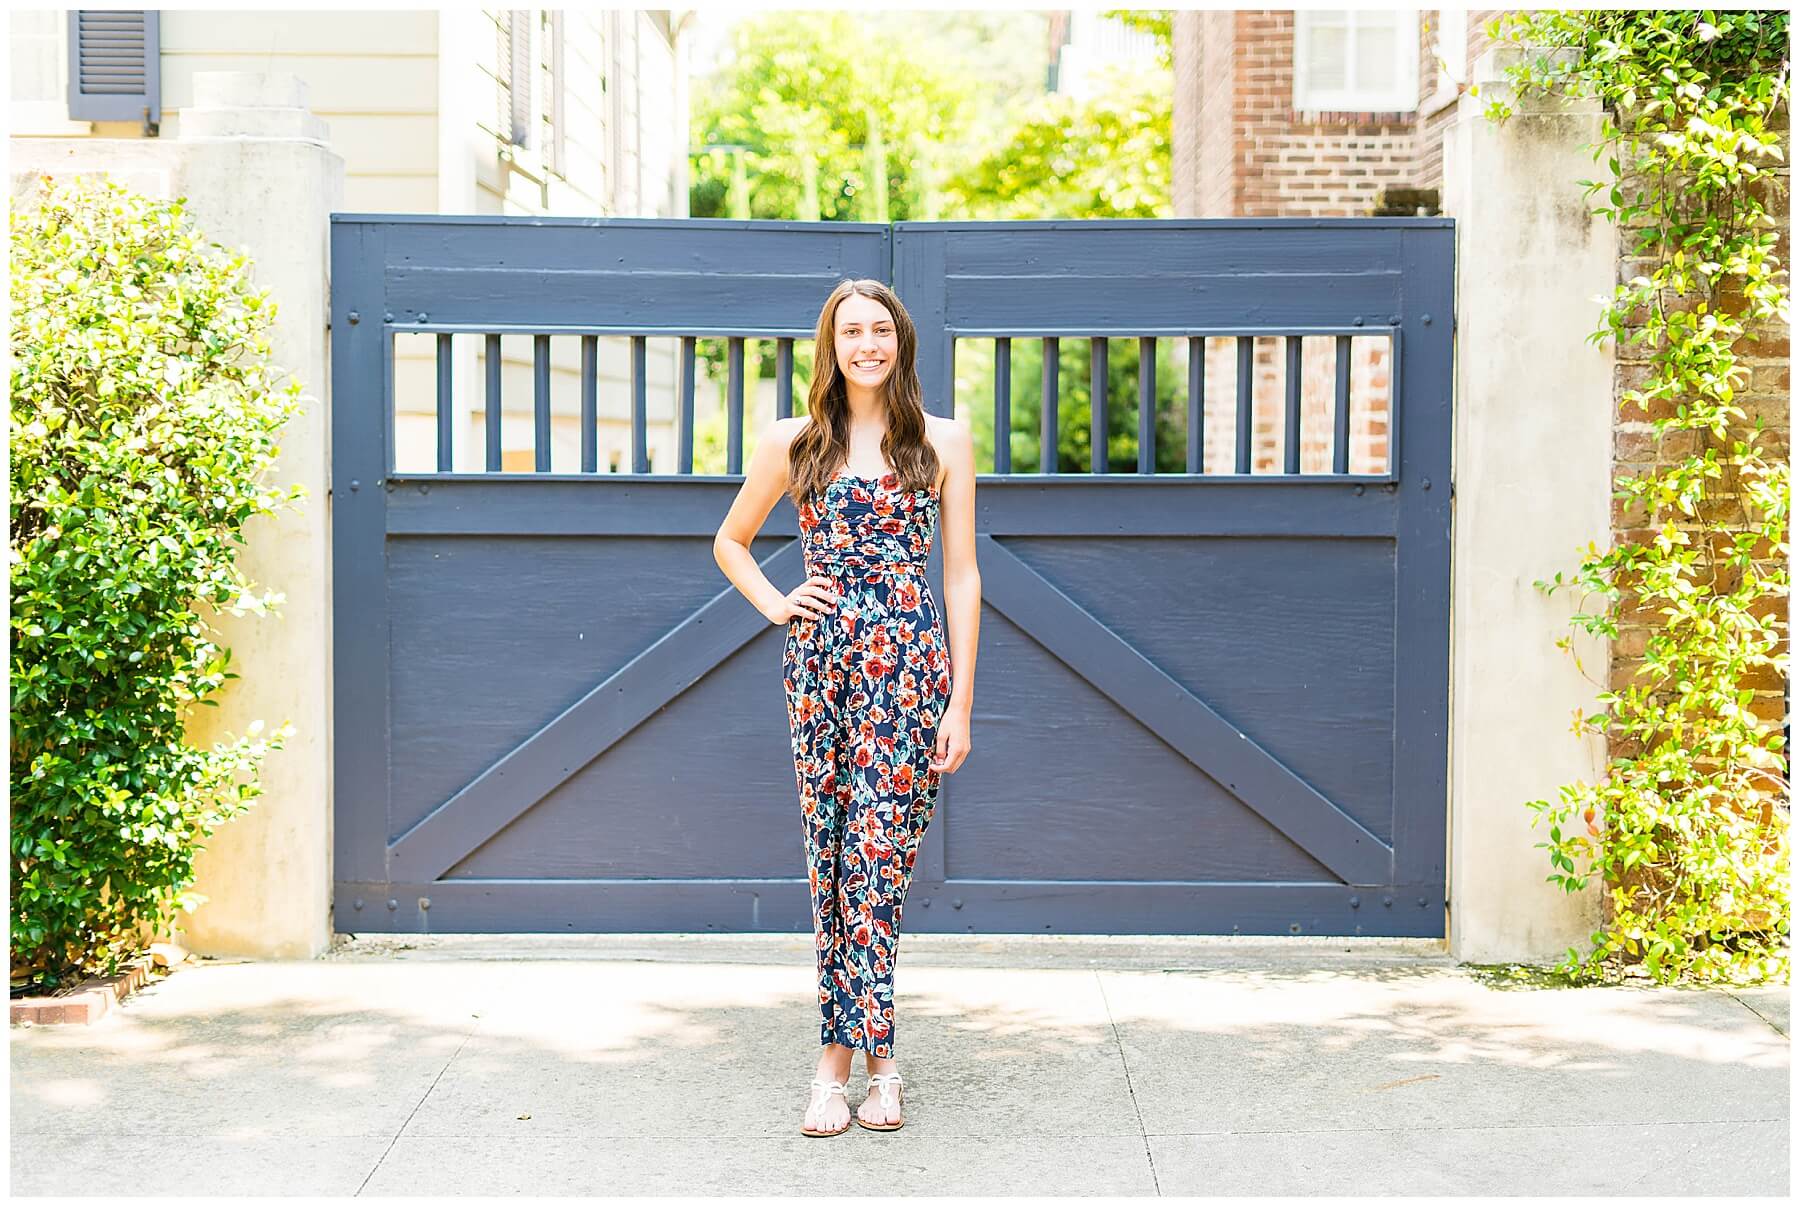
864 689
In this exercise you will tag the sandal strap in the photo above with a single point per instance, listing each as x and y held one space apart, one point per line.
829 1087
885 1084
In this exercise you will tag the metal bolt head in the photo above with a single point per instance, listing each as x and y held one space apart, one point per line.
425 902
356 904
956 904
354 318
393 904
1355 901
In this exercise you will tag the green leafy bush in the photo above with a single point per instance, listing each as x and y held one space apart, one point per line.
1689 830
144 416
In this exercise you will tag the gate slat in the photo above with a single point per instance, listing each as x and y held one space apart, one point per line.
1002 405
684 462
590 404
1196 408
640 415
1146 404
1049 443
446 404
1246 383
540 400
1097 403
492 402
1290 426
734 406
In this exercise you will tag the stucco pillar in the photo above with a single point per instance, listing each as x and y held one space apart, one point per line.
1532 465
258 174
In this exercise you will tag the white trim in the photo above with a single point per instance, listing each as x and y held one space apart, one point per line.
1400 94
1450 43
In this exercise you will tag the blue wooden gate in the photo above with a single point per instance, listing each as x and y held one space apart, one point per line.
1210 699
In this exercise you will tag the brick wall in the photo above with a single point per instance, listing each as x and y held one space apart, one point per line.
1242 149
1763 353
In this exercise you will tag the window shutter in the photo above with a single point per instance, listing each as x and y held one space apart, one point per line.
520 75
115 65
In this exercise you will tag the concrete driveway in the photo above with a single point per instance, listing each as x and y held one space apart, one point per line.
1066 1065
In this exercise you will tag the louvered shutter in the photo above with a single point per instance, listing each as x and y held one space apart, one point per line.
115 65
521 75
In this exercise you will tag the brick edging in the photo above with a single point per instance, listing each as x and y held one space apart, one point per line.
89 1001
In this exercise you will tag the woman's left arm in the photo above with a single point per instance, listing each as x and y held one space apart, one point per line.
962 591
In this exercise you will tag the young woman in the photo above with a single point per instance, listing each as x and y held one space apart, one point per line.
877 708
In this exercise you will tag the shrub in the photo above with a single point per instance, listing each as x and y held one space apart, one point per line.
144 416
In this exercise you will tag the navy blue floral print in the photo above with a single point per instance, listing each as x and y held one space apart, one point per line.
865 687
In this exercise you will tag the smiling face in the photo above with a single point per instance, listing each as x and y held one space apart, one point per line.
866 341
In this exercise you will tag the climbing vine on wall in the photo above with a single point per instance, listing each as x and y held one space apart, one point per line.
1689 828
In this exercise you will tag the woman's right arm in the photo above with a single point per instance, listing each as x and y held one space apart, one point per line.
765 481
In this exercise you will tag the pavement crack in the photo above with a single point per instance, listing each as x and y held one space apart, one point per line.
401 1130
1759 1014
1143 1131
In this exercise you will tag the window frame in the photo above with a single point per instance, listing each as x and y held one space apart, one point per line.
1400 96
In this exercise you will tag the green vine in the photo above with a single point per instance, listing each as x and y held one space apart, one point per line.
1689 829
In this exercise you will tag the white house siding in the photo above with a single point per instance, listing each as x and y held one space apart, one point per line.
411 99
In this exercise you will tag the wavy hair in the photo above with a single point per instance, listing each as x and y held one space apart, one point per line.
821 449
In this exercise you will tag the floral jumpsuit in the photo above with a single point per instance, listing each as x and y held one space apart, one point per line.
865 687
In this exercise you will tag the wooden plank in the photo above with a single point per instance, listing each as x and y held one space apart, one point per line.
1097 392
446 405
493 405
360 438
1003 405
1323 506
1246 385
1180 718
1146 433
540 399
590 726
1076 907
1196 404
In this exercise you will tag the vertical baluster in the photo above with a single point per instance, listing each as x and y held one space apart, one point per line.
734 406
590 403
1097 404
493 403
1002 404
684 463
640 404
1146 441
1047 433
1340 432
1246 366
1196 408
784 378
446 405
1291 421
540 373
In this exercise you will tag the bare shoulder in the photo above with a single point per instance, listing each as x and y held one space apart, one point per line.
947 435
950 438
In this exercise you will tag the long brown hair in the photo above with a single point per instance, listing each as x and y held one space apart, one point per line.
823 445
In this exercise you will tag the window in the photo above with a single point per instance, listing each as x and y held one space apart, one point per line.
1357 60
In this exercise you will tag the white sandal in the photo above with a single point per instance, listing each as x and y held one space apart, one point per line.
892 1091
821 1091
